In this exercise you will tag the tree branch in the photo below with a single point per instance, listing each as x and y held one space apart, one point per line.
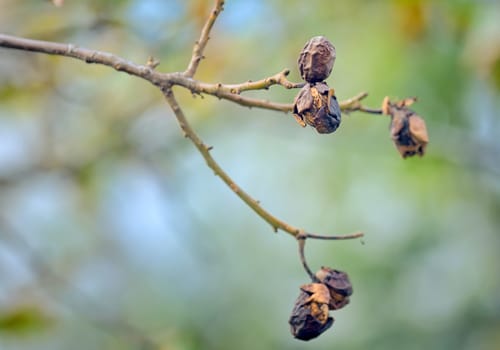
229 92
165 81
83 54
202 42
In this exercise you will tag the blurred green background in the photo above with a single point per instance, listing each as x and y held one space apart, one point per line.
114 231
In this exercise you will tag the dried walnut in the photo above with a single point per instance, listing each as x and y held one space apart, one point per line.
317 106
316 59
310 315
408 130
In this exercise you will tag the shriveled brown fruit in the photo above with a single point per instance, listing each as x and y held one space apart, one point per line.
316 59
317 106
338 284
310 313
408 130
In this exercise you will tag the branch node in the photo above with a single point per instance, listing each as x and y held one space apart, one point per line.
71 48
152 62
301 235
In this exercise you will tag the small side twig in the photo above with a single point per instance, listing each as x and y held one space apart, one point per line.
353 104
199 46
277 79
332 238
302 244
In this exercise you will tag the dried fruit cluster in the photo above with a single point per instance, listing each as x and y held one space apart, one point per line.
316 104
310 315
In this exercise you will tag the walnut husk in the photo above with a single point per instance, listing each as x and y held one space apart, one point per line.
316 59
408 130
310 316
317 106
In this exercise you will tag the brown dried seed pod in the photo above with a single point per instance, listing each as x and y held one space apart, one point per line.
408 130
317 106
316 59
338 285
310 314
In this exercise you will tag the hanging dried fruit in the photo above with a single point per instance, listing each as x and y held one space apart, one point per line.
316 59
408 130
310 314
317 106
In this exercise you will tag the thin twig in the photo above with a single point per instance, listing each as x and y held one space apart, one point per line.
354 104
332 238
302 244
278 78
202 41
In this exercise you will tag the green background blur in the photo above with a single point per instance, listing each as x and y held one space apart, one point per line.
113 230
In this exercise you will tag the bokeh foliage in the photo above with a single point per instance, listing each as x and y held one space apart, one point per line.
110 220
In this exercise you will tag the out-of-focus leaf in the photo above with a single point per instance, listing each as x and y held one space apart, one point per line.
24 319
